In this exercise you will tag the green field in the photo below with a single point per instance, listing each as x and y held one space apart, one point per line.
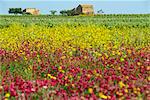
112 20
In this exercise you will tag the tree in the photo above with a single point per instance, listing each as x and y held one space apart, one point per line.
63 12
70 12
53 12
15 11
67 12
100 11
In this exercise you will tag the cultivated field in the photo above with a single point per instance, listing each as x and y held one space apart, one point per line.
79 57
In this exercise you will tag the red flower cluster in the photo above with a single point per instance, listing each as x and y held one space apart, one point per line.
86 74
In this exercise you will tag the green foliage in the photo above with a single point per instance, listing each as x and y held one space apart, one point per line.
63 12
67 12
15 11
107 20
53 12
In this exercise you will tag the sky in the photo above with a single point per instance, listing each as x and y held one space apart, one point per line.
108 6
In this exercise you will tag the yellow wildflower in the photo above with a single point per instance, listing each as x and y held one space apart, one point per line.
29 67
135 91
52 77
121 59
90 90
66 84
119 93
113 52
7 95
95 72
127 77
126 90
85 57
49 75
129 51
73 85
39 60
103 58
119 68
125 56
63 57
138 89
101 95
121 84
138 63
60 69
25 58
119 53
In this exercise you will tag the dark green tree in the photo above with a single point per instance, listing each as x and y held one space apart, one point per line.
63 12
53 12
67 12
70 12
15 11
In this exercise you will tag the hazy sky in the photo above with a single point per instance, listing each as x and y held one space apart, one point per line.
108 6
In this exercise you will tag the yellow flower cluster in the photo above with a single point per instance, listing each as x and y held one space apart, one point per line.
121 84
101 95
61 70
88 36
52 77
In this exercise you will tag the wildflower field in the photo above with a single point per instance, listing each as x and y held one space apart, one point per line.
75 58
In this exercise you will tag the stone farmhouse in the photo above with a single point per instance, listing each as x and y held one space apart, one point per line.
86 9
32 11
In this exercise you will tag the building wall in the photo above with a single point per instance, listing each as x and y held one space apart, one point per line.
79 10
32 11
87 10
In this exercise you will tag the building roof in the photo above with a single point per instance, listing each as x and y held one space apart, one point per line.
86 5
32 8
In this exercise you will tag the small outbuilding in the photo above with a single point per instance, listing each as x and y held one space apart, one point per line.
32 11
